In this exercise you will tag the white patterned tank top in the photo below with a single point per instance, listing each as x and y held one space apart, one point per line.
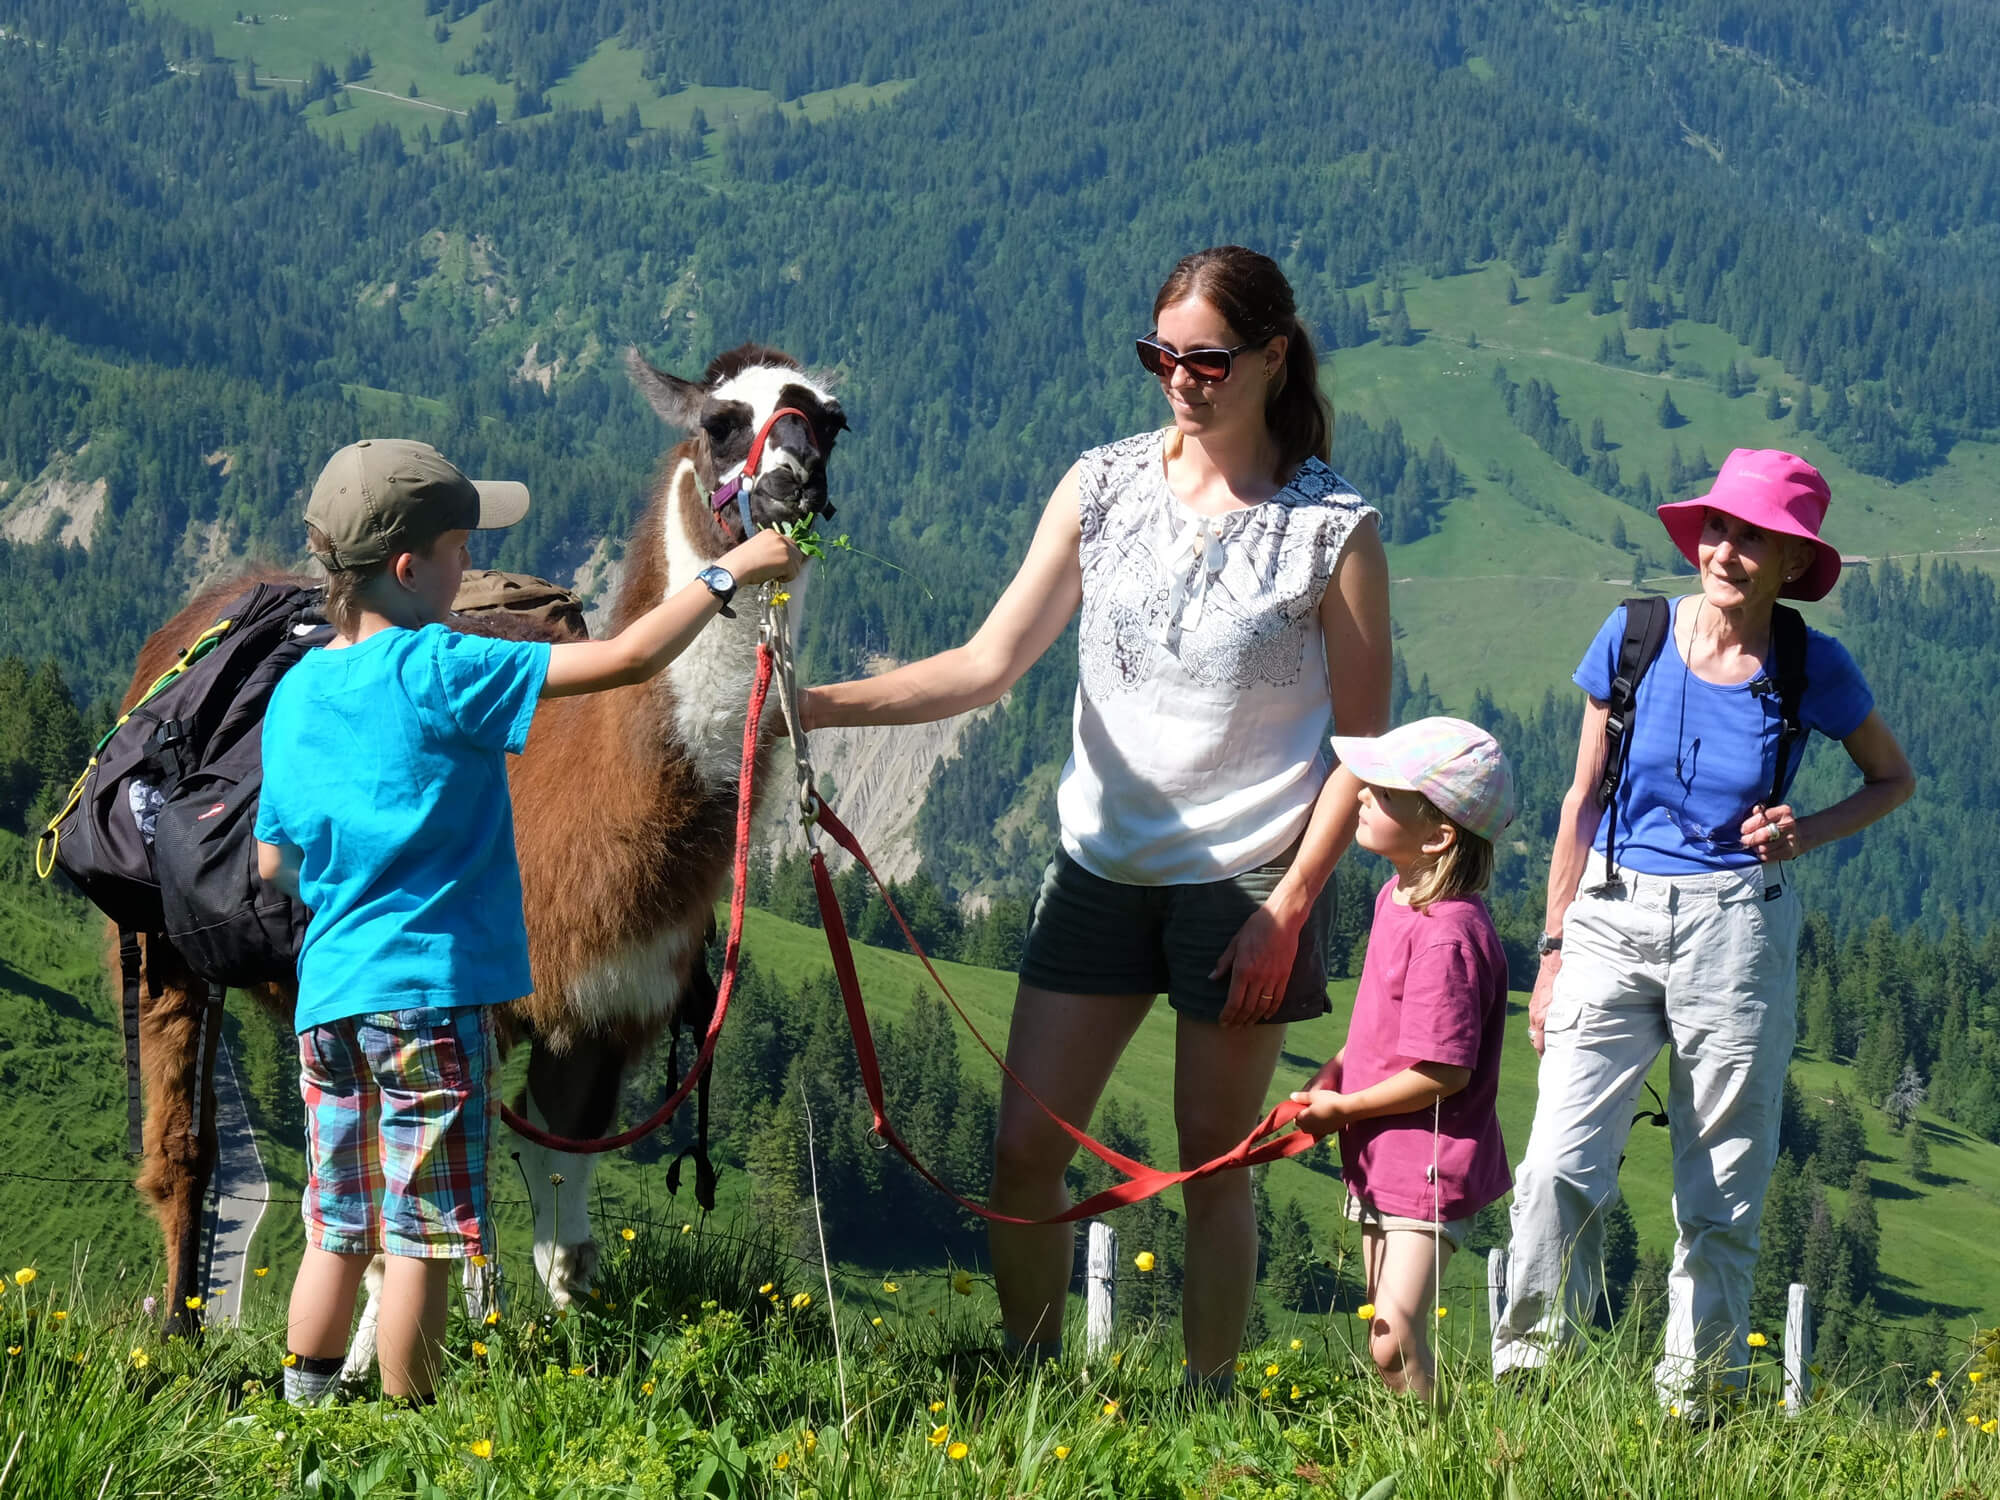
1202 699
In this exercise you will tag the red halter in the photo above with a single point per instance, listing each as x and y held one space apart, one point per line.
736 491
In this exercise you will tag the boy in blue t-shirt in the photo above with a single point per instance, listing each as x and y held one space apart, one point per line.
385 808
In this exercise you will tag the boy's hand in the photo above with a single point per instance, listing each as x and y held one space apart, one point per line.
1325 1111
768 556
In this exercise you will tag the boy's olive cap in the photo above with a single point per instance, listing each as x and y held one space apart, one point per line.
374 495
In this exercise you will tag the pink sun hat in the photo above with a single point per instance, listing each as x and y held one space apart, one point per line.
1777 491
1459 766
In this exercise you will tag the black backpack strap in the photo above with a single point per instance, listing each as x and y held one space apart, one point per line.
1647 620
130 971
1788 672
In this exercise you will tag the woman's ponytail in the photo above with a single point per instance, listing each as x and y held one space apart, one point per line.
1255 300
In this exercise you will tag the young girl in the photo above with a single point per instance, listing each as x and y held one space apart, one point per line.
1412 1091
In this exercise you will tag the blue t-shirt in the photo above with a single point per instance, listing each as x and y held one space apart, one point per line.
1702 754
385 763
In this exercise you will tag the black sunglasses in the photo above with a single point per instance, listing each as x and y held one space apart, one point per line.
1210 366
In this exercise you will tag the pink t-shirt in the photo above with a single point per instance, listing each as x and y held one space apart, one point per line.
1433 989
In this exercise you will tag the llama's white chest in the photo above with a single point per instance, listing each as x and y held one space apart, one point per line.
640 981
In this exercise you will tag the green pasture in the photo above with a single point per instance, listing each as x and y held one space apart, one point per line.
62 1109
1506 591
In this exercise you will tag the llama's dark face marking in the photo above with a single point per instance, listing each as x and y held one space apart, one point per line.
741 391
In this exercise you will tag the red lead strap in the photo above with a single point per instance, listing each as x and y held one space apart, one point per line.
731 955
1264 1144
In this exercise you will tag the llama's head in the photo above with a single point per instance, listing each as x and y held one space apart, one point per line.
725 414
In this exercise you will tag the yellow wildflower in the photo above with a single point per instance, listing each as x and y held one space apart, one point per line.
1239 1367
1442 1311
25 1275
1936 1375
1145 1260
479 1261
628 1234
290 1360
60 1316
478 1350
962 1284
1297 1394
956 1452
1972 1419
576 1369
1270 1369
1062 1450
936 1407
765 1289
780 599
782 1461
1365 1310
875 1322
891 1287
1117 1360
492 1316
1758 1341
194 1304
811 1440
940 1436
140 1359
1298 1344
1942 1431
646 1388
1976 1376
1990 1426
12 1350
687 1229
1111 1408
801 1301
481 1449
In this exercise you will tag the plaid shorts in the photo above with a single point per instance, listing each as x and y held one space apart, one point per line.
398 1115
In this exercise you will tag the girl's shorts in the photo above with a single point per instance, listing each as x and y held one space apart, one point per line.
398 1116
1455 1231
1092 936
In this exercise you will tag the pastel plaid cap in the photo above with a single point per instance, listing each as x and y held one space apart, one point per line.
1459 766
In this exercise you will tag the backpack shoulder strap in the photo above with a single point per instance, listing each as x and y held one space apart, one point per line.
1647 620
1788 674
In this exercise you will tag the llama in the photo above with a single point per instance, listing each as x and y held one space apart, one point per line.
624 817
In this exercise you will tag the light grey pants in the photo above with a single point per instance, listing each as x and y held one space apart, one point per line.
1707 966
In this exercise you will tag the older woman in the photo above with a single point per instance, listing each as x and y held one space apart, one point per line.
1682 930
1234 594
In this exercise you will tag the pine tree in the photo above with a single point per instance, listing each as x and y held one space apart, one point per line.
1669 414
1621 1256
1917 1152
1513 292
1802 410
1843 1139
1787 1213
1774 406
1289 1278
1861 1231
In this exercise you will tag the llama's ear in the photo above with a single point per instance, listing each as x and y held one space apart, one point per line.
678 402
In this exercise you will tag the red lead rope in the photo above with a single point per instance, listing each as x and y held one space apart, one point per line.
731 954
1264 1144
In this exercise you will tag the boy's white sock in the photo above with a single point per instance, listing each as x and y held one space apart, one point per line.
310 1376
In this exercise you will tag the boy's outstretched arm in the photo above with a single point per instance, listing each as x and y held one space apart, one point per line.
1414 1088
645 646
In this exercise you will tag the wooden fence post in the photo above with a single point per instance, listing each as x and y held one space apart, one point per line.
1496 1285
1100 1288
1798 1350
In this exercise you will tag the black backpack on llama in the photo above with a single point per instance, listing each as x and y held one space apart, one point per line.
158 830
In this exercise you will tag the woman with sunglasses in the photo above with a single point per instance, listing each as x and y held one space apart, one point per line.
1673 920
1234 596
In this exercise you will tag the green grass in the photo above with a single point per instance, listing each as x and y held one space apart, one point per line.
1503 596
688 1379
62 1106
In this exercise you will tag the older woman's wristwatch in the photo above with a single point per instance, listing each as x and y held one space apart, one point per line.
721 583
1545 945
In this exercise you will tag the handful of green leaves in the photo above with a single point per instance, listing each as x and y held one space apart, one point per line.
804 534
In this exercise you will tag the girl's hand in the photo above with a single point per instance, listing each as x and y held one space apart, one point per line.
1538 1002
769 556
1259 961
1773 834
1325 1111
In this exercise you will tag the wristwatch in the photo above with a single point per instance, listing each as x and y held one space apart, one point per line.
1545 945
721 583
